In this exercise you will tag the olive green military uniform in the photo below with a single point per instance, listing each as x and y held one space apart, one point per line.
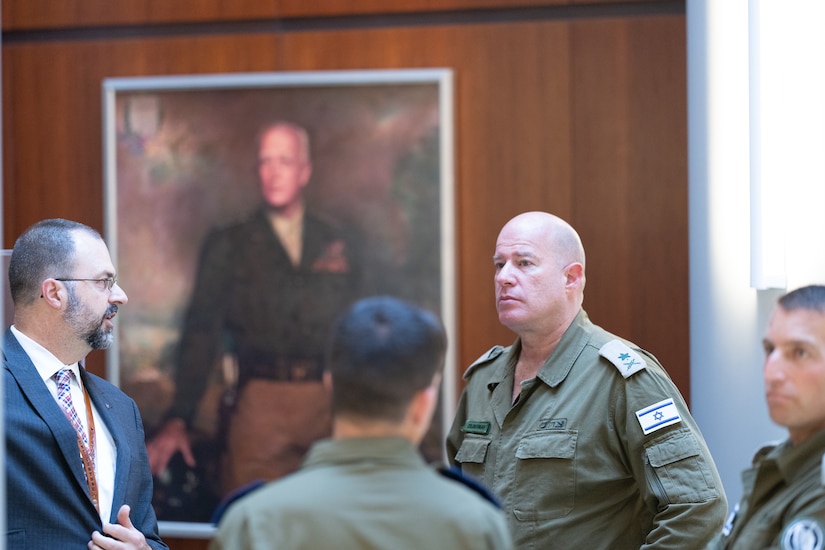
363 494
783 502
598 451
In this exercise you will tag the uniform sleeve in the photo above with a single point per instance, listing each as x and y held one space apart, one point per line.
202 330
230 535
241 528
233 534
673 467
498 537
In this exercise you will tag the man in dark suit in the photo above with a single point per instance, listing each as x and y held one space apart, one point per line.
77 471
368 487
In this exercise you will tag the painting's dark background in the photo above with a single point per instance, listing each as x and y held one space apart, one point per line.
576 107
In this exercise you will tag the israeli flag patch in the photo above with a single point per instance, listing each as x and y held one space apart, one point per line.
625 359
657 416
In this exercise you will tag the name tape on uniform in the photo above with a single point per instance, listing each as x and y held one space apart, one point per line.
476 427
657 416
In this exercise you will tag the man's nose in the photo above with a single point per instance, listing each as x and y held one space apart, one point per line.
774 368
118 295
504 274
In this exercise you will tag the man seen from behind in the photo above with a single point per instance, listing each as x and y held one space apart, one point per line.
368 486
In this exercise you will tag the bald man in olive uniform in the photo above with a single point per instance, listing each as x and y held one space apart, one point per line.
582 434
368 487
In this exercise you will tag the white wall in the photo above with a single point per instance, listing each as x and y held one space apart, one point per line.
728 317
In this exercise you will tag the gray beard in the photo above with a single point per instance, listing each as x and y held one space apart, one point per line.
95 335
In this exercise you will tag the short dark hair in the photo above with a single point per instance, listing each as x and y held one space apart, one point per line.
381 352
46 249
810 297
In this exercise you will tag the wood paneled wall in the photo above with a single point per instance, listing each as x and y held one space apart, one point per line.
574 107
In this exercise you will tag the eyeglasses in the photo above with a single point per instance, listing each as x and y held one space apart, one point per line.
109 282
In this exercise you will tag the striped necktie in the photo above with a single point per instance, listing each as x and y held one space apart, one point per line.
64 396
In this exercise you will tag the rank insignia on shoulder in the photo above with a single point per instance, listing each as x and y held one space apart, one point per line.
803 534
476 427
623 358
657 416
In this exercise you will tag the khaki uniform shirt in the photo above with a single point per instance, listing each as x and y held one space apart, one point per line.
783 502
363 494
570 459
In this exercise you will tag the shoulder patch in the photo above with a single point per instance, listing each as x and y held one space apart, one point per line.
659 415
623 358
803 534
488 355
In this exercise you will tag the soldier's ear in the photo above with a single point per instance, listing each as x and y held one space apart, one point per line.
422 407
574 274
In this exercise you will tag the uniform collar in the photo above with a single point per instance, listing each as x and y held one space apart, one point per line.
558 364
366 450
572 342
795 461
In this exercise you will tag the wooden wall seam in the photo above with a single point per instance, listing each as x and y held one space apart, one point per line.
12 34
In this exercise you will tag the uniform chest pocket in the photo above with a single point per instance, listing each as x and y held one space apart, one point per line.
545 476
472 454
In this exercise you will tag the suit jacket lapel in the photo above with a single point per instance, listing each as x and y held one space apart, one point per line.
17 362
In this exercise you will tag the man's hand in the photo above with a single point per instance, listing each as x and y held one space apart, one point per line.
171 439
123 534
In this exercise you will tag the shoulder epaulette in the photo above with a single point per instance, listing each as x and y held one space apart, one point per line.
488 355
623 357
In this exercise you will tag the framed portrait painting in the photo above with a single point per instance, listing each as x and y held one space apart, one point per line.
243 213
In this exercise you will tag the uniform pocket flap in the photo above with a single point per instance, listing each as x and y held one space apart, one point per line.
672 449
548 445
472 450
